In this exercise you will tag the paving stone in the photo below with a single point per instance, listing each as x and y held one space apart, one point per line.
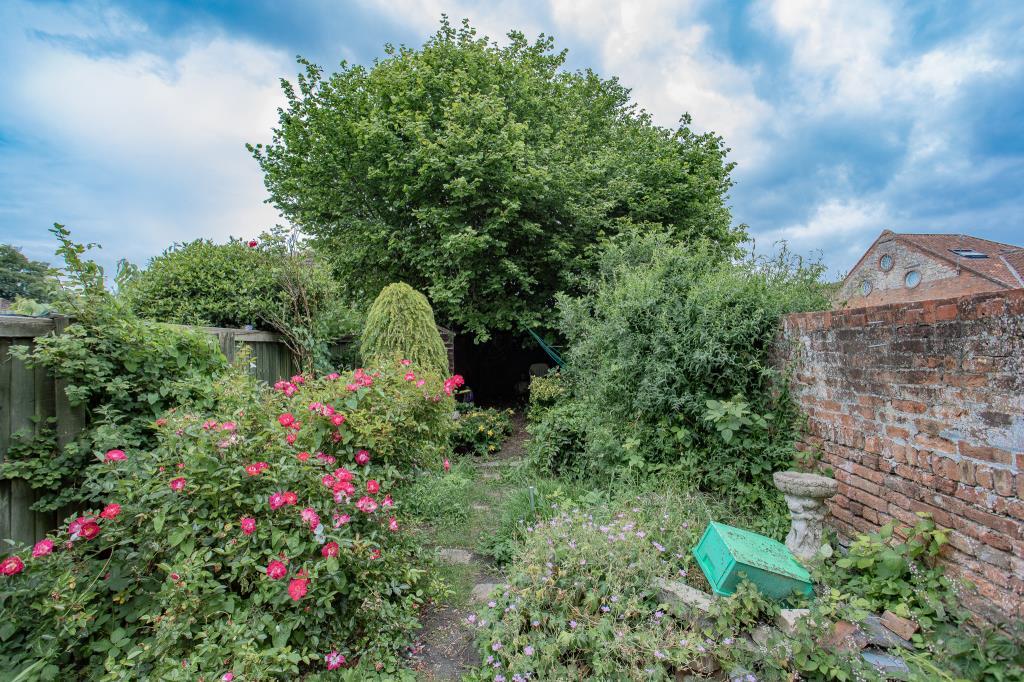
483 590
479 507
881 636
501 463
788 618
455 556
680 594
761 634
888 665
901 626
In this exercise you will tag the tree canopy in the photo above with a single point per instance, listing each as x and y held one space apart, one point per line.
24 278
481 174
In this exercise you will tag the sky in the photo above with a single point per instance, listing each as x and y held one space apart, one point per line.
127 121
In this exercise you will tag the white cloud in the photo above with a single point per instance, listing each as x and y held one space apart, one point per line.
659 48
493 19
151 147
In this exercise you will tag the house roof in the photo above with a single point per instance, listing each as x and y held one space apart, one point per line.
1004 264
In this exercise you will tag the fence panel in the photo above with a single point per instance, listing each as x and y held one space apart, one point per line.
30 396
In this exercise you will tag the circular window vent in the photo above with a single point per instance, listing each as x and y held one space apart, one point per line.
912 279
865 287
885 263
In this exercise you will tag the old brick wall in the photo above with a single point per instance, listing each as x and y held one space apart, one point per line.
920 407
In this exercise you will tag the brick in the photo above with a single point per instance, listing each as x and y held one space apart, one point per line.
985 453
935 443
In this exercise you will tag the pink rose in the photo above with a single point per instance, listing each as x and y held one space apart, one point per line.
338 419
248 525
372 486
177 484
12 565
363 457
290 497
115 456
330 549
286 419
447 465
334 660
276 570
277 501
111 511
367 505
302 456
297 588
42 548
393 524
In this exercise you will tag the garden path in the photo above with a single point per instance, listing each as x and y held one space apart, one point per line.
445 647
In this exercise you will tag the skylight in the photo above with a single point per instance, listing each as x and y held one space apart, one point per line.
968 253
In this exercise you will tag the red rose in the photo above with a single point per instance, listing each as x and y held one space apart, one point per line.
297 588
276 570
12 565
111 511
330 549
372 487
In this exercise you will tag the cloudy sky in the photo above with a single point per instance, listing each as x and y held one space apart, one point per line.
127 120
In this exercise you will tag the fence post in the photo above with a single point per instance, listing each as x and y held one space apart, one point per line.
70 419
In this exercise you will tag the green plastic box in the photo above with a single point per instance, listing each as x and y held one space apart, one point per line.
727 555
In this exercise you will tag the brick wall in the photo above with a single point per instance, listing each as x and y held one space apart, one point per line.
920 407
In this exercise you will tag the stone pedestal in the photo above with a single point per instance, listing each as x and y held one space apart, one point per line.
805 495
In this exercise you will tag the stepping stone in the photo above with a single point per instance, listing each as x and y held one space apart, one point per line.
491 475
501 463
901 626
455 556
482 591
479 507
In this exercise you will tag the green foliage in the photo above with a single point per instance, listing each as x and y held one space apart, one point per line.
400 325
275 284
172 588
24 278
481 174
123 372
481 430
671 366
545 392
895 576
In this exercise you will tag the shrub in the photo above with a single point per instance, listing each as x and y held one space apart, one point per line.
670 364
123 371
545 392
266 283
481 430
264 537
400 324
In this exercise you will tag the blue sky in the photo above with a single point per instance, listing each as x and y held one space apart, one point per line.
127 120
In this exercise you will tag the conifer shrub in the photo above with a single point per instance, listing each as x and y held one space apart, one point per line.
400 325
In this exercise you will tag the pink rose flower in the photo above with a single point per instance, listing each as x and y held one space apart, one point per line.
338 419
367 505
290 439
334 660
229 426
290 497
302 456
393 524
372 486
286 419
177 484
330 549
12 565
277 501
388 502
276 570
447 465
115 456
248 525
42 548
297 588
111 511
406 363
363 457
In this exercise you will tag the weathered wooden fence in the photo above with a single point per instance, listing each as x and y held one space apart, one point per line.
29 396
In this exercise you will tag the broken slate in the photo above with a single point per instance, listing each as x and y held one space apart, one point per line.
888 665
903 627
881 636
845 637
788 618
680 594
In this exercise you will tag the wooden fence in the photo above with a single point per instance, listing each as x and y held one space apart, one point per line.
29 396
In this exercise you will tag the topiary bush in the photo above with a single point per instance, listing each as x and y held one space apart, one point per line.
400 324
263 538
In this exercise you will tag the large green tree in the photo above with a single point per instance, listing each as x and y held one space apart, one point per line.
24 278
483 175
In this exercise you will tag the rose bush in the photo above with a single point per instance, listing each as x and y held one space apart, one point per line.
262 540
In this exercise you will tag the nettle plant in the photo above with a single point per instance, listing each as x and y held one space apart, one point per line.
264 539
